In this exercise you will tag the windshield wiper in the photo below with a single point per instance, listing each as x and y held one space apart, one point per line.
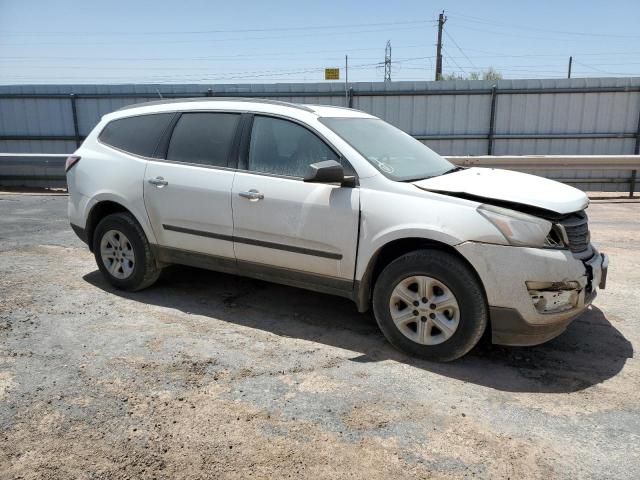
454 169
417 179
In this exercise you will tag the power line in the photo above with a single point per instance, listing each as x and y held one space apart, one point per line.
458 47
509 70
510 34
59 65
599 70
315 68
289 77
247 74
209 57
398 62
492 22
527 55
589 67
288 55
200 42
202 32
454 62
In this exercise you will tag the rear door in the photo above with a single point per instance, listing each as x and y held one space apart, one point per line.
281 221
188 192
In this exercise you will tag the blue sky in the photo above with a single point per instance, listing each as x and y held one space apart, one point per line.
195 41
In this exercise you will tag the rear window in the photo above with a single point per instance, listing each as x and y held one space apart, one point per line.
139 135
203 138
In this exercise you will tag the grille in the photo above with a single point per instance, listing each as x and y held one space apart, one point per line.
577 228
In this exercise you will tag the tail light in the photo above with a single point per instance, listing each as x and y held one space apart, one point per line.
71 161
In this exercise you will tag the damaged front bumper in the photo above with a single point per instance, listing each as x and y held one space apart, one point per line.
534 293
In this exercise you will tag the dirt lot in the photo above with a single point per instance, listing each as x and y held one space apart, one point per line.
210 376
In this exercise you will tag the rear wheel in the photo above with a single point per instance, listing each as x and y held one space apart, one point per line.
123 253
430 304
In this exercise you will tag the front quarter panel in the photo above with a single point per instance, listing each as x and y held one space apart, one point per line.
393 215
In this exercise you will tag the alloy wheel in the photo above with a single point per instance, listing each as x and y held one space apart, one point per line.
117 254
424 309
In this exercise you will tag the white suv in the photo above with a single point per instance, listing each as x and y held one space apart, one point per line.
338 201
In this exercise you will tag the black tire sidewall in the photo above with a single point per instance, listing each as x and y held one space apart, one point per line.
459 278
119 222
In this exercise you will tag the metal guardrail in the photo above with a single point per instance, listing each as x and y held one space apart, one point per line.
47 170
550 162
32 170
630 163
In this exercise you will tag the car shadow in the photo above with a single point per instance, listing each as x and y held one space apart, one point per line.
590 351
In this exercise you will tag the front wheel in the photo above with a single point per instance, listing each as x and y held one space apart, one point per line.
123 253
429 303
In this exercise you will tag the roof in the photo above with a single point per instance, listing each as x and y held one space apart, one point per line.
234 103
214 99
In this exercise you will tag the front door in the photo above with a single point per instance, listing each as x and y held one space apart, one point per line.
283 222
188 195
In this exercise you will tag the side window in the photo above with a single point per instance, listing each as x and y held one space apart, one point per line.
204 138
139 135
284 148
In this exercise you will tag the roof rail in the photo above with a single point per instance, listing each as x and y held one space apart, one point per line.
217 99
335 106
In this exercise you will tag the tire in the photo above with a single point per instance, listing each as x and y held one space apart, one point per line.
135 266
462 321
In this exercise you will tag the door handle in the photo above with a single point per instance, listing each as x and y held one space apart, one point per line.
158 182
253 195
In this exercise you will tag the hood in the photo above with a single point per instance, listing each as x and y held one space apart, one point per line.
506 186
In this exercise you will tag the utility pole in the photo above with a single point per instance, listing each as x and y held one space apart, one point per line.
570 62
441 20
387 62
346 81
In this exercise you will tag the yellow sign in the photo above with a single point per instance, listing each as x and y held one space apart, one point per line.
332 74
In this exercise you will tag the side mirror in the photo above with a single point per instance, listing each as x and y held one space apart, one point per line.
328 171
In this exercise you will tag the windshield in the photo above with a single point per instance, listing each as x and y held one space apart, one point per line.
395 154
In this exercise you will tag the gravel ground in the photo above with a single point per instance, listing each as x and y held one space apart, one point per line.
212 376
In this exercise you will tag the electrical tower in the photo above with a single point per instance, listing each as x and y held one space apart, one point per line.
441 20
387 62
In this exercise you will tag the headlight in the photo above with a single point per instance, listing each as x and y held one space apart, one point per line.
518 228
557 237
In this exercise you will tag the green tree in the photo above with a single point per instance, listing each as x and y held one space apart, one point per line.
489 74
